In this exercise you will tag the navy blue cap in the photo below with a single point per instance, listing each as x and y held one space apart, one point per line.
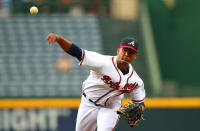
130 42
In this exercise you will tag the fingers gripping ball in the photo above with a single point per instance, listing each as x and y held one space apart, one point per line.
33 10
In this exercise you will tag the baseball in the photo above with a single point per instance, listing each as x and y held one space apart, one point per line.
33 10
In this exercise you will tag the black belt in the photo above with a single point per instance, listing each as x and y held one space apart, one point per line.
92 100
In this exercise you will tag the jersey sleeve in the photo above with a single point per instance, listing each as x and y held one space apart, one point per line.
138 94
92 60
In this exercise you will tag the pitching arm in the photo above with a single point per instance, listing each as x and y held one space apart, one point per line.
66 45
89 59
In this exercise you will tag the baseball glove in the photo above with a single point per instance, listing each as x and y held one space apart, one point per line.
133 113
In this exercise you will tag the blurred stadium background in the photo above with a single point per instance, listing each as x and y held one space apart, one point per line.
40 86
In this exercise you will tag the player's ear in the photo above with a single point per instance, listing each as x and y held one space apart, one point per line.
117 50
135 56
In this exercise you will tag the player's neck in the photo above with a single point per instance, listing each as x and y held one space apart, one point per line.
123 66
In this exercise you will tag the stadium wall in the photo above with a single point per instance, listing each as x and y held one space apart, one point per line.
166 114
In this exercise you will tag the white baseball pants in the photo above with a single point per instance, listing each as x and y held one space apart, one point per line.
91 117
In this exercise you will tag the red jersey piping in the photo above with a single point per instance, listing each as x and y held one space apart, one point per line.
83 56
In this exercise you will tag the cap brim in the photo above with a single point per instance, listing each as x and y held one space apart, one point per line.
129 47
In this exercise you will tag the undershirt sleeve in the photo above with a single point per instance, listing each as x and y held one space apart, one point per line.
75 51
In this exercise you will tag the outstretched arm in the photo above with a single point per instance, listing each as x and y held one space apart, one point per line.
66 45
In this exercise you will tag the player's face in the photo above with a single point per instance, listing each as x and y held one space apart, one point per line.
126 54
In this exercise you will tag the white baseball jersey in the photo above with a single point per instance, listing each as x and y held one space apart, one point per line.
105 85
106 80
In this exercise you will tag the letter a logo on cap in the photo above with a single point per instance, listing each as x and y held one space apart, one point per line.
132 43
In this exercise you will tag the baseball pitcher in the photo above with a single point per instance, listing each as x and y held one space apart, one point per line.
102 92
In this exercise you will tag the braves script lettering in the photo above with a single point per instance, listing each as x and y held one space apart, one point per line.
115 85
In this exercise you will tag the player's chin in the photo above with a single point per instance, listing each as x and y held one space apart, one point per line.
127 61
124 60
